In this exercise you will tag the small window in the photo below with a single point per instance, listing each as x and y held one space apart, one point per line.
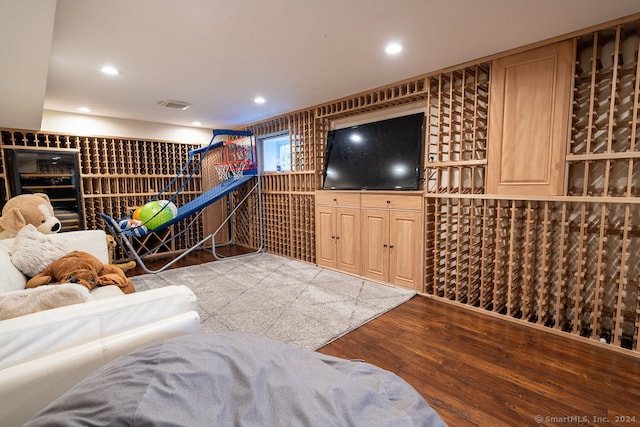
276 154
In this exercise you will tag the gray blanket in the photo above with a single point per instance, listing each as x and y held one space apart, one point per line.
237 380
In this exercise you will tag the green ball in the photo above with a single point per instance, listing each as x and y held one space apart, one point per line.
152 219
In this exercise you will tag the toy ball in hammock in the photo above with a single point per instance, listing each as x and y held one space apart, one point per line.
150 216
157 213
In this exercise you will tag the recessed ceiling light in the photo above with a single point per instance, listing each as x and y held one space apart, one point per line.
196 123
108 69
259 100
393 48
84 109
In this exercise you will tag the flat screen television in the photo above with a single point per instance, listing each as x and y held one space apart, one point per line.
383 155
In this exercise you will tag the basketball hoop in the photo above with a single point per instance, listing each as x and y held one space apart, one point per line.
236 169
236 157
221 170
233 170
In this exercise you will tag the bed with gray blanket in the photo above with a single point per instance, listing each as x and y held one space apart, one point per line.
237 380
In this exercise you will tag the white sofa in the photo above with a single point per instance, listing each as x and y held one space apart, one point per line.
44 354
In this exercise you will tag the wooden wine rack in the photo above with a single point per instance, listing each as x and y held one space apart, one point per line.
604 152
118 174
389 96
572 266
457 131
287 198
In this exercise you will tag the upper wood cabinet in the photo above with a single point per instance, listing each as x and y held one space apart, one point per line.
530 100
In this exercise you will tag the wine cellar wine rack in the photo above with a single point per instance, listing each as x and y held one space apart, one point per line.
457 131
117 175
569 262
568 265
604 153
288 198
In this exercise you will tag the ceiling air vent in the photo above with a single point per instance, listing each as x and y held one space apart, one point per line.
179 105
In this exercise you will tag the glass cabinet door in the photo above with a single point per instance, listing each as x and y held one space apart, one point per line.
54 173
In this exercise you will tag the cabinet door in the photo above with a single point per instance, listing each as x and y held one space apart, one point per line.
405 249
348 240
375 244
326 236
529 118
55 173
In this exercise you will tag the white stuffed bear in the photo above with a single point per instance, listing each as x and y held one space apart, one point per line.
33 251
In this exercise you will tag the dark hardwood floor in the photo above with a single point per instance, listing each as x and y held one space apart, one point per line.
476 369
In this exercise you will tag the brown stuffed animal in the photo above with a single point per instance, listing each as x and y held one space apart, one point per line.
84 269
124 266
26 209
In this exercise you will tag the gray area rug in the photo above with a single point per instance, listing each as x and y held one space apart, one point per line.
287 300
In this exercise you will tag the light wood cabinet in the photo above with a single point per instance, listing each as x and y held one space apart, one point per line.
338 232
373 235
528 121
392 239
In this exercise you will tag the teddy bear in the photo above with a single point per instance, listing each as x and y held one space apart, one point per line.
111 245
84 269
26 209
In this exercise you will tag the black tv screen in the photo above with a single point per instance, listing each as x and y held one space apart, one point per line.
384 155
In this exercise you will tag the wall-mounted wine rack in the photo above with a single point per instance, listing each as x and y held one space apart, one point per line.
117 174
572 266
457 131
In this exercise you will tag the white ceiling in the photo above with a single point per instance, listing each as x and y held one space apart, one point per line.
219 55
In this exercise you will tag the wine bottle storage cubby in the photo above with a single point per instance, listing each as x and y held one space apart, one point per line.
272 126
301 135
303 182
321 129
276 222
604 153
303 243
275 183
456 140
133 186
245 223
572 266
17 138
390 96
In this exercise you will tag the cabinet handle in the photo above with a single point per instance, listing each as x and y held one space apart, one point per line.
337 237
388 201
384 246
390 246
335 200
333 237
